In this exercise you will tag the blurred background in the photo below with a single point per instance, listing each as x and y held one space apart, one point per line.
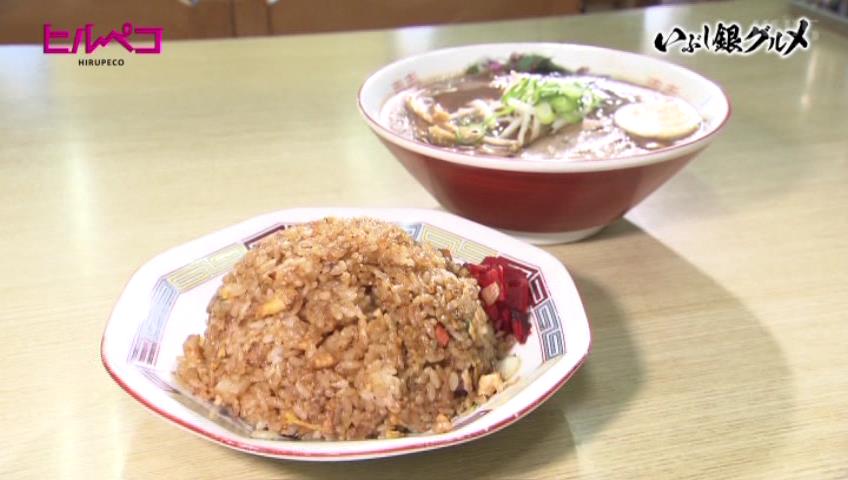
21 21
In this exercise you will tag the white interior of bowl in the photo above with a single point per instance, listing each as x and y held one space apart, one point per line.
707 97
196 269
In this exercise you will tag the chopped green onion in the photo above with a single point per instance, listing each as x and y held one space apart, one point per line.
549 100
572 117
545 113
563 104
563 95
574 90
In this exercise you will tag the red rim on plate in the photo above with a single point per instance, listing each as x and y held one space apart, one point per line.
560 345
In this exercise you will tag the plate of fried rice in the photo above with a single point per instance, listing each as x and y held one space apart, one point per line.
343 334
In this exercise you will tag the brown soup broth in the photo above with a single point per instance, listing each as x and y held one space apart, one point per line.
595 137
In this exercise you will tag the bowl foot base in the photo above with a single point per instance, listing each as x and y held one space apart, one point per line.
554 238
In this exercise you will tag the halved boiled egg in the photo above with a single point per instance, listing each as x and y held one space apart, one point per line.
665 119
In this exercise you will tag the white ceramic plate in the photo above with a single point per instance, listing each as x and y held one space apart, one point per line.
165 302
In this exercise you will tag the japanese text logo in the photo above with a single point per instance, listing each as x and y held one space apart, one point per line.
730 39
85 36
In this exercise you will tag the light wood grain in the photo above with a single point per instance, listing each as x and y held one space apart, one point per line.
718 306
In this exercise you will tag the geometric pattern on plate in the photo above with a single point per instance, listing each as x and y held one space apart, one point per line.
169 295
145 345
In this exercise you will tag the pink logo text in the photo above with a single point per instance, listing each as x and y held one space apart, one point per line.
93 42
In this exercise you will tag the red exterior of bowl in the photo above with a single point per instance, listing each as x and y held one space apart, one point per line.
543 202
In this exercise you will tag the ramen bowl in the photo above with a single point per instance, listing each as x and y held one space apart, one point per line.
552 200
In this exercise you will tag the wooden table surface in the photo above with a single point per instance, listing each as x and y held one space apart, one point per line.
718 306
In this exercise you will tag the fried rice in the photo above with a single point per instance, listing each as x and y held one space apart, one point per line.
344 329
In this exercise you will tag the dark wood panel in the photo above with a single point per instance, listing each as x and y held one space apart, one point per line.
250 17
21 21
301 16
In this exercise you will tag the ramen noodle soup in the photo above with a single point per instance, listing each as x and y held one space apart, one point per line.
530 108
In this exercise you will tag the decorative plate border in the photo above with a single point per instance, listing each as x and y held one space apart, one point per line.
145 345
168 287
